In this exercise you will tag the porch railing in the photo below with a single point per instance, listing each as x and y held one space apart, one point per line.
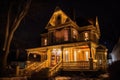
34 67
81 65
55 68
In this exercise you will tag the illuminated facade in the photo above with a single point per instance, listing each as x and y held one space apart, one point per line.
70 46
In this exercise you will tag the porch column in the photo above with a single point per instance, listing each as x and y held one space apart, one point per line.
62 55
28 53
49 57
28 61
90 59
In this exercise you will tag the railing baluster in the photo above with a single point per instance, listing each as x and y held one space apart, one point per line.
76 65
35 67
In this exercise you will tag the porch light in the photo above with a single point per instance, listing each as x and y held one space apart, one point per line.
95 60
34 56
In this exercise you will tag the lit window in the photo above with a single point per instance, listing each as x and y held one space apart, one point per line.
58 52
86 36
34 55
45 41
75 55
66 55
75 34
65 35
86 55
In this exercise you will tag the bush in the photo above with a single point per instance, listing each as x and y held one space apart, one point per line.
41 75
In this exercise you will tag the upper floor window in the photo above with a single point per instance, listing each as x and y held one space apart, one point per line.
61 35
75 34
65 35
86 36
45 41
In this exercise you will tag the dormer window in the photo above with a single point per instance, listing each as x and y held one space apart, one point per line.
86 36
58 19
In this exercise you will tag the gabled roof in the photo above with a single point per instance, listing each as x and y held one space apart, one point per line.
59 18
54 20
101 47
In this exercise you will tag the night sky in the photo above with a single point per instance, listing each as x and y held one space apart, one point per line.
28 33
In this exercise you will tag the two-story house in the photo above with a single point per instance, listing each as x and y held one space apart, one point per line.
69 44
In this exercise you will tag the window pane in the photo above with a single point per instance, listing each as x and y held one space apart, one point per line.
65 35
86 36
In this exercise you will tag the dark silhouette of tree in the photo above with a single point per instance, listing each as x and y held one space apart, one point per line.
16 12
41 75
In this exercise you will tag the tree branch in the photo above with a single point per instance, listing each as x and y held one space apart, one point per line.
21 15
7 29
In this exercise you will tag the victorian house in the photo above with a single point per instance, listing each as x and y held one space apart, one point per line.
68 45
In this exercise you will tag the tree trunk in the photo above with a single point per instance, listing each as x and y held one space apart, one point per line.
10 33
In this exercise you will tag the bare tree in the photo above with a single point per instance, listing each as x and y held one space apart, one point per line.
11 27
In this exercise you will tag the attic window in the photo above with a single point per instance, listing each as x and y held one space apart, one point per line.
58 19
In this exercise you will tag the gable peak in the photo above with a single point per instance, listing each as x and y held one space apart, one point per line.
57 8
58 18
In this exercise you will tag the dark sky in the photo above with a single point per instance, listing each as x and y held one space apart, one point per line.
28 33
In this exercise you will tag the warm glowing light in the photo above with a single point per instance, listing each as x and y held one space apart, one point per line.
54 17
66 52
75 34
75 55
66 55
34 56
95 60
86 55
54 51
86 35
79 50
105 53
100 61
58 52
45 41
65 35
60 34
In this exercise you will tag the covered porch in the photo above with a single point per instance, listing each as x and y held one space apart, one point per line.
77 58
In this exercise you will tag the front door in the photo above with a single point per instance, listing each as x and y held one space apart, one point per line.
55 56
